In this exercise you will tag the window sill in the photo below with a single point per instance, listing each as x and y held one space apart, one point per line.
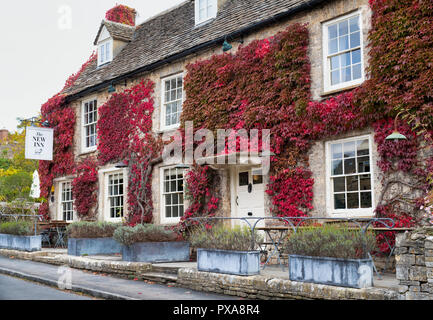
330 92
168 129
204 22
85 152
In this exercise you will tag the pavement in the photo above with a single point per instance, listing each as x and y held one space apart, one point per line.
12 288
97 285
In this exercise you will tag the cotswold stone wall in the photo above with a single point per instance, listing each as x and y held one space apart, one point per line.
262 287
414 264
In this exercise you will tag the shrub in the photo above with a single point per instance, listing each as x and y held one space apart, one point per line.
92 230
144 233
17 228
330 241
222 238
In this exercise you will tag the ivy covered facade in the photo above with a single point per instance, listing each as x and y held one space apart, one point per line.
327 78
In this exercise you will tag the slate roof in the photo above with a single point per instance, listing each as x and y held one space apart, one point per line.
173 33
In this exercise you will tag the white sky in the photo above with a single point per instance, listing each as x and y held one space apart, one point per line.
38 51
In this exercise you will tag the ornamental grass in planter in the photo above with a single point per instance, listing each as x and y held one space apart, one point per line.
334 255
226 250
92 238
19 235
17 228
151 243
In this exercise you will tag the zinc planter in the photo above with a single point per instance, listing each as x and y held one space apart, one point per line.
353 273
241 263
21 243
96 246
154 252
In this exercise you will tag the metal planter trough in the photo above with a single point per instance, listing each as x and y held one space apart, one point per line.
154 252
95 246
241 263
21 243
353 273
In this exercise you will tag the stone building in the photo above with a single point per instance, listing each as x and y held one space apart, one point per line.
161 47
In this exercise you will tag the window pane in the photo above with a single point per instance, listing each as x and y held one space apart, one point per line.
340 201
180 185
175 212
349 166
257 179
335 77
343 43
362 147
343 28
357 71
337 167
243 179
364 164
345 59
332 31
356 56
339 185
353 200
349 149
366 200
333 46
168 199
335 63
168 212
355 39
337 151
365 182
346 74
107 51
172 95
352 183
354 24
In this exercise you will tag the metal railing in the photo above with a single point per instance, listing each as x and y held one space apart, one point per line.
295 222
17 216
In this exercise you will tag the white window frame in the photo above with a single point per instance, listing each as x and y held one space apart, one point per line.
361 212
163 218
163 125
106 196
84 147
327 86
102 55
209 15
60 201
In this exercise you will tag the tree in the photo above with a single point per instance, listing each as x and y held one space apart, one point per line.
16 172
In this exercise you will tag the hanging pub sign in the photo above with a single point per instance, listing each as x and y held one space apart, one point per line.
39 143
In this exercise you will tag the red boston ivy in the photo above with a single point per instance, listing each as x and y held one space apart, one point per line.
121 14
124 133
85 188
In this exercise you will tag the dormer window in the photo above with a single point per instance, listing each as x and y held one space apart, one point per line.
205 10
105 52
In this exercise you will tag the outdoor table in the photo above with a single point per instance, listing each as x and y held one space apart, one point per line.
282 231
54 227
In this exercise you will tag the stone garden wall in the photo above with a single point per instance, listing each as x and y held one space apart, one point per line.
414 264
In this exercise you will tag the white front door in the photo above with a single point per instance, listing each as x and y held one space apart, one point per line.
249 194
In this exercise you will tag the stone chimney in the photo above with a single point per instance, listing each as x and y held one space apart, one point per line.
3 135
